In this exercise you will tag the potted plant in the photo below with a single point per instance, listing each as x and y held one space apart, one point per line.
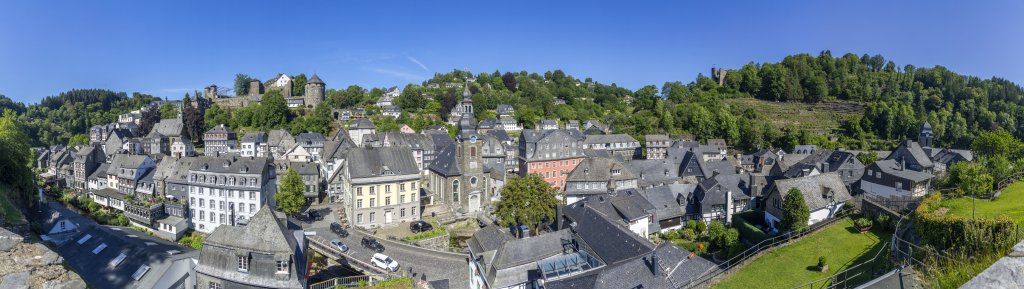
862 224
822 265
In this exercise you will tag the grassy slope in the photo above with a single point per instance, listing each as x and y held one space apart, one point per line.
1009 203
8 212
791 265
813 117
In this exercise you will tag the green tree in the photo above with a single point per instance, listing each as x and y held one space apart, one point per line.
242 84
527 201
79 139
969 179
168 111
795 213
867 157
299 84
289 197
14 161
273 112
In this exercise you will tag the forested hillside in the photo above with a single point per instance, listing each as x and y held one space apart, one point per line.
863 102
56 119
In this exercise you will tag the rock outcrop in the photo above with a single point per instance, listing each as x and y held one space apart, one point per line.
32 265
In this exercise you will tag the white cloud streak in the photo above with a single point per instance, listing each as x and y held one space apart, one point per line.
417 62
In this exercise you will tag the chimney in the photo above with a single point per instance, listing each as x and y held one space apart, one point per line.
654 264
903 163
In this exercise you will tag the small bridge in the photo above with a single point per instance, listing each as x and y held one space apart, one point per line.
324 248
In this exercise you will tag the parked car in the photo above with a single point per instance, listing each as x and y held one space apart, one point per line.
302 218
372 244
338 244
420 226
384 262
338 230
314 215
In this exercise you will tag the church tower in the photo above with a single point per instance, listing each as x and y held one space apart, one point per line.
467 100
315 90
925 138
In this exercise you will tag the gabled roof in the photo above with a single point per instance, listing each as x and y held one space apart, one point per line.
310 137
815 187
366 162
657 137
610 240
220 129
608 138
264 233
893 168
665 199
714 190
914 151
140 251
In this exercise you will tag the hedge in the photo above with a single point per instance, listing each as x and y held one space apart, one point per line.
986 235
748 231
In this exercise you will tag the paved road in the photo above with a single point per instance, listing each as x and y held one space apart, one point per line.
428 264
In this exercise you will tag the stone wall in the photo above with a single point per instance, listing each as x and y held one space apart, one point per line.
439 243
32 265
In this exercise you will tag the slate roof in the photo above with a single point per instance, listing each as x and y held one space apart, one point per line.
500 134
123 161
814 186
172 127
608 138
674 269
265 233
599 170
914 151
665 199
713 190
654 172
512 262
315 79
220 129
446 163
610 240
488 238
489 123
362 123
310 137
621 207
231 164
371 162
278 136
255 137
893 168
140 250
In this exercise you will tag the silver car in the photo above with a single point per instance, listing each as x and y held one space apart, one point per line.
339 245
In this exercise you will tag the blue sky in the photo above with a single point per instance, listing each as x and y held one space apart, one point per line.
166 48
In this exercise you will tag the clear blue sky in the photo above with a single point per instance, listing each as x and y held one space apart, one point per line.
166 48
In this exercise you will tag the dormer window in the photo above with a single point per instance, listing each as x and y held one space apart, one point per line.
282 267
616 172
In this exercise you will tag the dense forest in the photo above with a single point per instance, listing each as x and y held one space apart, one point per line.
56 119
896 100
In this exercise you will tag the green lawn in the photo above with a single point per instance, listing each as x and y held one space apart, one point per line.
1009 203
793 264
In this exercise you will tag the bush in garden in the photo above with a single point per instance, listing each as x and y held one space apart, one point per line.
701 227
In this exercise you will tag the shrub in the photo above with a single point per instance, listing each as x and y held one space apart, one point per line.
821 261
748 231
862 222
688 234
691 224
884 221
672 235
701 227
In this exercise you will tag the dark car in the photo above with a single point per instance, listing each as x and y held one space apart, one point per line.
315 216
302 218
372 244
337 229
420 226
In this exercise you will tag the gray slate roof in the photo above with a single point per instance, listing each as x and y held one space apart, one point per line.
813 187
255 137
665 199
139 248
264 232
599 170
370 162
446 163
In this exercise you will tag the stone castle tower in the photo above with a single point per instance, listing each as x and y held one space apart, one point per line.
314 91
210 92
255 87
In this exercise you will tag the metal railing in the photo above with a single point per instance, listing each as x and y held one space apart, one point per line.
352 281
755 250
842 279
322 247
